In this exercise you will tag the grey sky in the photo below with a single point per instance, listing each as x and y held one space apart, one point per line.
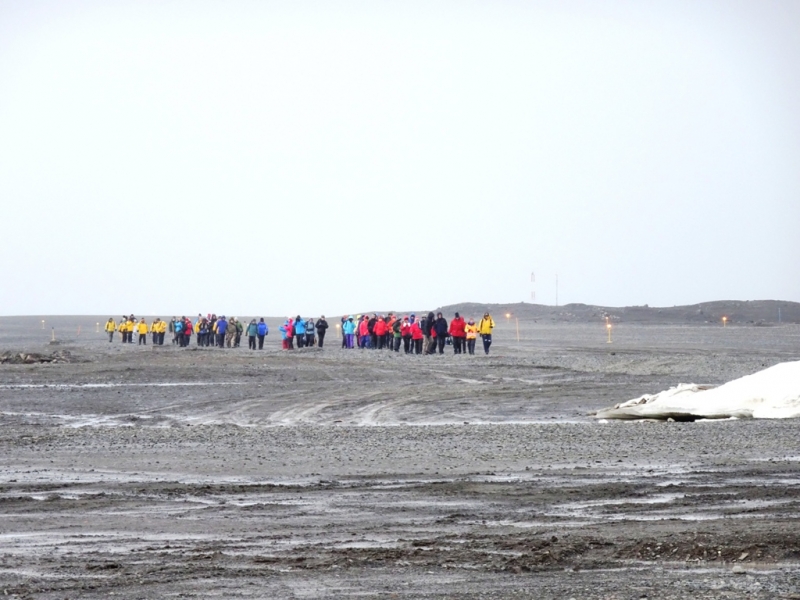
281 157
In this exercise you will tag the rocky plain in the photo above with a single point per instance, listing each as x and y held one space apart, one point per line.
161 472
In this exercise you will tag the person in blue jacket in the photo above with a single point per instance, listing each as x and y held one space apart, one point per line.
300 331
348 329
222 327
263 330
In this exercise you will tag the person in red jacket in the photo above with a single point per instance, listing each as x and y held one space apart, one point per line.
458 334
363 332
390 319
405 333
380 332
188 329
417 336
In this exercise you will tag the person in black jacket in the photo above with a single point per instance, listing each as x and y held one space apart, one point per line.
440 327
427 326
322 326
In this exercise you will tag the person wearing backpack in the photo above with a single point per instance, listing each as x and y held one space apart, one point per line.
261 331
310 333
322 327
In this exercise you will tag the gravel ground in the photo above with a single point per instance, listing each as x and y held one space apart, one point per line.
161 472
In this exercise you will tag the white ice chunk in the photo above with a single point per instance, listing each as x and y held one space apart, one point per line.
773 393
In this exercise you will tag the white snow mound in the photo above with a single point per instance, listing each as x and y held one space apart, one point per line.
773 393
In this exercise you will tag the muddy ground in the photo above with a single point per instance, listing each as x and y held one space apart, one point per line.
160 472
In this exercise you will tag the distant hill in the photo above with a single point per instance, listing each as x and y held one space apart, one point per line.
757 312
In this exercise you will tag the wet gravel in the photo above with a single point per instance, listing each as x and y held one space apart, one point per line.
151 473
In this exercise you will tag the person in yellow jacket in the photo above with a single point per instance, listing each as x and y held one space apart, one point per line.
111 327
485 327
161 330
130 325
141 328
123 329
471 331
154 331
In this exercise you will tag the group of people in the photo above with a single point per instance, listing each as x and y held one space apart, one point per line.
307 332
209 331
427 335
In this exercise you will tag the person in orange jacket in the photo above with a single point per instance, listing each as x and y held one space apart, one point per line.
456 331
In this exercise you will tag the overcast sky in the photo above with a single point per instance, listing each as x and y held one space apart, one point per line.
327 157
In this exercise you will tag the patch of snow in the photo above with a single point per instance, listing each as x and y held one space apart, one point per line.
773 393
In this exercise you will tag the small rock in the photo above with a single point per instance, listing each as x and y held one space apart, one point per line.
738 570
